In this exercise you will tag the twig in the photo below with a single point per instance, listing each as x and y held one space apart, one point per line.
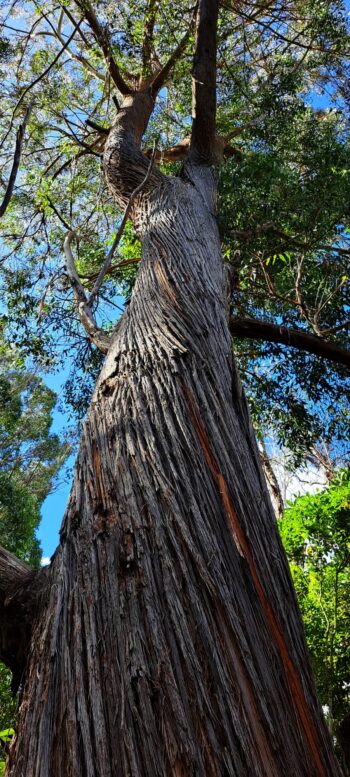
42 75
102 39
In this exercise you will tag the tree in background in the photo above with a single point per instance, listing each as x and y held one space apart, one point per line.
30 455
30 459
165 637
315 534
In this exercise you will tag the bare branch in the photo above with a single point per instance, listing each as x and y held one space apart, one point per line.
254 329
102 39
271 479
179 152
204 84
50 66
95 334
16 161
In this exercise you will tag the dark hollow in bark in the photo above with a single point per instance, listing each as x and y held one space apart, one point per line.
21 596
171 643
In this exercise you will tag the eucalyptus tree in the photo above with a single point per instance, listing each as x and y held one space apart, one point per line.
165 638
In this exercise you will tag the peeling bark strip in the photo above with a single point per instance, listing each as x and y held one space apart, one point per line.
244 550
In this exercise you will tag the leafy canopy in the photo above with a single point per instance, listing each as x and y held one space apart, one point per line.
283 88
315 534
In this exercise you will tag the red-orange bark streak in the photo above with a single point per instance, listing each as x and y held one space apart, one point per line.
244 549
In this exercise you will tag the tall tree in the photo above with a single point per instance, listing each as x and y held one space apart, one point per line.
165 637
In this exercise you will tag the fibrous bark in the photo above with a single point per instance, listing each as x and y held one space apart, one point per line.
171 643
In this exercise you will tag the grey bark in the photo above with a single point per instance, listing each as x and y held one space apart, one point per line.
171 643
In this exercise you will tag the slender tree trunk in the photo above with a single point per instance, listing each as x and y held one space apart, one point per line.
275 491
171 642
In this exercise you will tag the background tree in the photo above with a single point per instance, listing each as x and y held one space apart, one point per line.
315 534
30 458
142 633
31 455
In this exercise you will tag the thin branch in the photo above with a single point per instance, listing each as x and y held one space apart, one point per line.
333 329
58 214
163 75
78 57
254 329
16 161
293 241
95 334
102 39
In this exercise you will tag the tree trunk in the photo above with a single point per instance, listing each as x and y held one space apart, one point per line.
171 643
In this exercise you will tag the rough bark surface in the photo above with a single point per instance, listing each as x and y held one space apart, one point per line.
22 590
172 642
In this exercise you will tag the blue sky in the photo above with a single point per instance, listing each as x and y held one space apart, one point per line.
54 506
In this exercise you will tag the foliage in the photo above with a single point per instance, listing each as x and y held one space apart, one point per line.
30 455
5 737
315 534
284 206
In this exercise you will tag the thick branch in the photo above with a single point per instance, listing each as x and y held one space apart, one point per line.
163 75
21 593
180 152
260 330
148 37
107 263
204 84
102 39
16 161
